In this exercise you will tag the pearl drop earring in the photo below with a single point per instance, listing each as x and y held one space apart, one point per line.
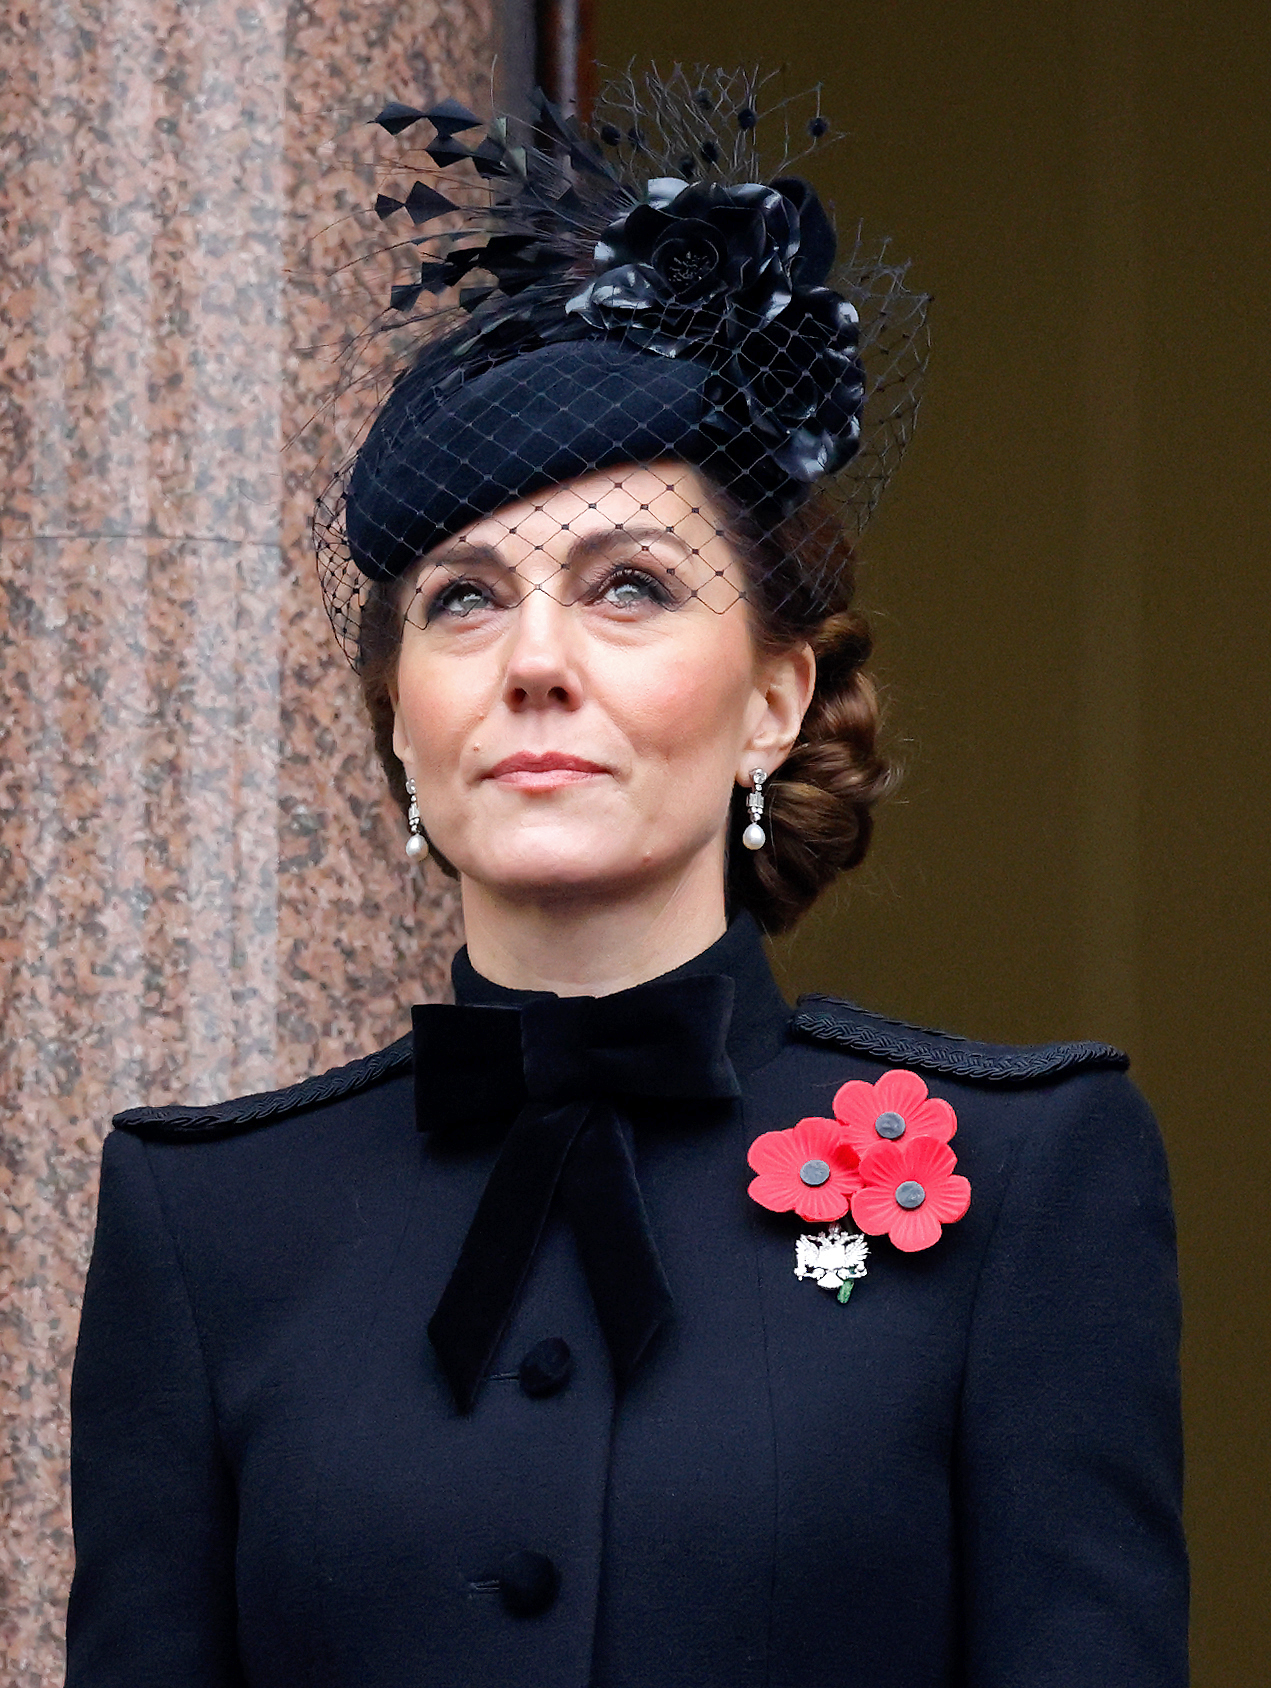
754 837
416 844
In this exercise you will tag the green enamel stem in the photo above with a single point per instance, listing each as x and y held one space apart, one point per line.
845 1291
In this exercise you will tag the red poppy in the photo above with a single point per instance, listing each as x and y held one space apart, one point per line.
909 1190
808 1168
893 1110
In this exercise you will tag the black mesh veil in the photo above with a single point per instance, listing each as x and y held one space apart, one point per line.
625 348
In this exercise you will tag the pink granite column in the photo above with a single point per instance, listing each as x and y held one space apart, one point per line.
201 888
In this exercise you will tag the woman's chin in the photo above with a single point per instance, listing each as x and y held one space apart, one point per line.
556 880
554 868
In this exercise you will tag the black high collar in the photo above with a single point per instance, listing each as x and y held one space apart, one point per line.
760 1014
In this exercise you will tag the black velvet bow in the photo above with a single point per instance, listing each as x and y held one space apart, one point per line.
563 1066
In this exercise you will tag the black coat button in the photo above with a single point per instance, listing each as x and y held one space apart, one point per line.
546 1368
528 1583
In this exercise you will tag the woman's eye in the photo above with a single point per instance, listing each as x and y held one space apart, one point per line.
460 598
631 589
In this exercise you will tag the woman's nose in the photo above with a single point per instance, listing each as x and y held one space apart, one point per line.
541 668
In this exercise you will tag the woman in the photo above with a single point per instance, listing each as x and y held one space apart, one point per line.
619 1325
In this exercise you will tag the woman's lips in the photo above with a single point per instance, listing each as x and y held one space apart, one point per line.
543 772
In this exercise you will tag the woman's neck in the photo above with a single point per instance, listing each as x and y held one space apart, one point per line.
590 946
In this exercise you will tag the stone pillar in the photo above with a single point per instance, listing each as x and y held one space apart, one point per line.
202 889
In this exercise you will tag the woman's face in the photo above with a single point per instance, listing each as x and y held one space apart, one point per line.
579 690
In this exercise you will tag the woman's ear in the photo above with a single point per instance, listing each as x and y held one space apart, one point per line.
401 744
785 684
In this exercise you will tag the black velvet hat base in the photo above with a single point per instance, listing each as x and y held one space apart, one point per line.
533 422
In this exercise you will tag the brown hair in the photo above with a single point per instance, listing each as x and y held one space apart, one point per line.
802 575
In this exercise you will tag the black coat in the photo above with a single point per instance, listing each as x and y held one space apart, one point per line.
969 1474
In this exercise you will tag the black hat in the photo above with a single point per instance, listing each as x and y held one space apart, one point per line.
640 295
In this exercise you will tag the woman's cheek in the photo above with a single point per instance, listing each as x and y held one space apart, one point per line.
683 710
437 713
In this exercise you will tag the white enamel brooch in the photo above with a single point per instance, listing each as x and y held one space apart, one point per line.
833 1258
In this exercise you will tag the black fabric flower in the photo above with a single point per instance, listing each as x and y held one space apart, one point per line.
733 276
801 385
690 259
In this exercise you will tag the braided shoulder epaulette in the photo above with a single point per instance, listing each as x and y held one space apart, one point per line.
248 1113
826 1019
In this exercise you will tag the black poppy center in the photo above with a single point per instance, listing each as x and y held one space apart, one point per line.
910 1193
688 263
815 1172
890 1125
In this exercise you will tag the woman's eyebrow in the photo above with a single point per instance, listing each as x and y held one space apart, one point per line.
463 554
590 545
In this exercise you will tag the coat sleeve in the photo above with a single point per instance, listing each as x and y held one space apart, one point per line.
154 1513
1069 1461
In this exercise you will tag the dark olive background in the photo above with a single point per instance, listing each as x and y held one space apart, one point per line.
1069 582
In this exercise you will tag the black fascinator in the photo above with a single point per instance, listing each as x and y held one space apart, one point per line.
641 292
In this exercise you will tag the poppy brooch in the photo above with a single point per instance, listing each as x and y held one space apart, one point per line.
884 1158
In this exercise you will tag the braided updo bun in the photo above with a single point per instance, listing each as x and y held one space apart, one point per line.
819 802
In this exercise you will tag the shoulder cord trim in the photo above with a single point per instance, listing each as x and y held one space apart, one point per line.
824 1019
819 1019
173 1124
